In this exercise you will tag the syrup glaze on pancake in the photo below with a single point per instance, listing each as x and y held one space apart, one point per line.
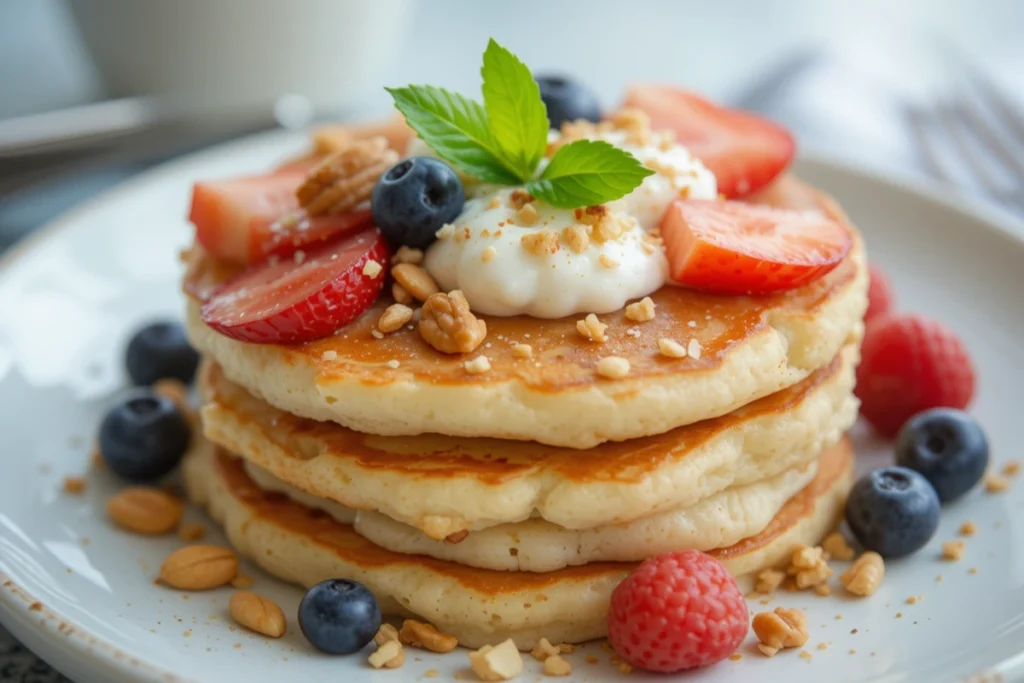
443 485
477 606
753 345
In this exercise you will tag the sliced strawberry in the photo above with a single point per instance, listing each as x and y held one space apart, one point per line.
738 248
297 300
743 150
244 220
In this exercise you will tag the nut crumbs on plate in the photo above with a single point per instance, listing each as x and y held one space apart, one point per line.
953 550
426 636
865 575
836 546
496 662
809 567
968 529
73 485
556 666
1011 469
389 655
783 628
543 649
769 580
995 483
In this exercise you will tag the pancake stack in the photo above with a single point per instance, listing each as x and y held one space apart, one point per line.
509 503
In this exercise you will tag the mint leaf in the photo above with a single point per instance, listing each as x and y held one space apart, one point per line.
588 172
519 120
457 129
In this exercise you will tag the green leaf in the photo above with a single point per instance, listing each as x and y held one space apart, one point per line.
588 172
519 120
457 129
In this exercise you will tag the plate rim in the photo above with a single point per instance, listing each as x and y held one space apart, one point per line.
19 609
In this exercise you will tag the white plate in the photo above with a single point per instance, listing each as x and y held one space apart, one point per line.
81 594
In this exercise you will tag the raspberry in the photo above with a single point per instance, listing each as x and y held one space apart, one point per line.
677 611
909 364
881 299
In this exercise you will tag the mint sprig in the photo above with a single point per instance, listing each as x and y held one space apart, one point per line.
503 141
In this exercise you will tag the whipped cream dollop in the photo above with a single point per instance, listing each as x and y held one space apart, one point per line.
512 255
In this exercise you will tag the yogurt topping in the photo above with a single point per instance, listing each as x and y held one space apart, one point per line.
548 262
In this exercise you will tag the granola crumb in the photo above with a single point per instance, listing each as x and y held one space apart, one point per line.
522 351
577 237
488 254
556 666
836 546
953 550
613 367
641 311
372 269
670 348
995 483
769 580
592 328
968 529
74 485
809 567
694 349
478 365
494 203
540 242
865 575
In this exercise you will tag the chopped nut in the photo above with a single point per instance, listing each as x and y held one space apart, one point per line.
488 254
478 365
783 628
523 350
385 633
518 198
408 255
1011 469
496 663
671 348
527 216
494 203
693 348
607 261
809 567
769 580
447 324
258 614
426 636
767 651
329 355
968 529
635 122
613 367
823 589
556 666
190 532
543 649
540 242
389 655
145 510
376 334
445 231
577 237
199 567
400 294
347 177
566 648
416 280
953 550
641 311
242 582
836 546
74 485
393 318
592 328
372 269
995 483
865 575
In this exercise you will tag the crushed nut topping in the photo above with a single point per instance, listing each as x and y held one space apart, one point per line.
416 280
577 237
809 567
607 261
488 254
694 349
641 311
73 485
400 294
329 355
446 231
865 575
995 483
426 636
494 203
953 550
519 198
636 123
769 580
671 348
478 365
527 216
346 178
1011 469
523 350
408 255
613 367
556 666
390 655
783 628
496 662
393 318
544 649
447 324
592 328
968 529
836 546
372 269
540 242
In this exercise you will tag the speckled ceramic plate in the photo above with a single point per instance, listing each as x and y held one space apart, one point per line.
82 595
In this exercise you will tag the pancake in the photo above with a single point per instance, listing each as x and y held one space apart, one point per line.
751 347
476 606
443 485
540 546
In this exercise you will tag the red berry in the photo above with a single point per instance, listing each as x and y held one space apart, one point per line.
881 299
294 300
677 611
911 363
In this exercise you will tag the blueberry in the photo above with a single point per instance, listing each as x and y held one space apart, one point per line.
893 511
567 100
339 616
414 198
144 436
946 446
160 350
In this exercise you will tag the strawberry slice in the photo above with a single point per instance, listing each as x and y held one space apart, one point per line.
298 300
244 220
738 248
744 151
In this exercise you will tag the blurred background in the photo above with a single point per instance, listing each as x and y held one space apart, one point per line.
93 91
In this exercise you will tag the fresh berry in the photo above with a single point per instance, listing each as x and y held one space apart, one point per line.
948 447
567 100
737 248
744 151
893 511
298 300
160 351
909 364
245 220
414 198
881 299
677 611
339 616
143 437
